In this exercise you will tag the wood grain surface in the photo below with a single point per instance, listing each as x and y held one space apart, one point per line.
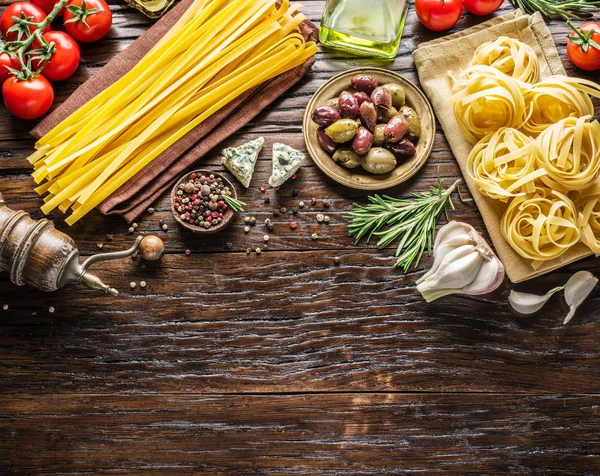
314 357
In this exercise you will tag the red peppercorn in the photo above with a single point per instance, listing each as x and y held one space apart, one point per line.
209 218
214 215
193 176
263 188
225 206
220 203
179 199
283 209
187 214
191 220
188 252
277 188
294 177
293 225
197 201
220 215
194 196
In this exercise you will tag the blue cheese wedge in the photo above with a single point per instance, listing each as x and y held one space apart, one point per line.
240 161
286 161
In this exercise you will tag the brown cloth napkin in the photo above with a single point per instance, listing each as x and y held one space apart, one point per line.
435 61
135 196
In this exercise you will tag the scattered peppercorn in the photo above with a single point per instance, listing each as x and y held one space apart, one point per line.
326 219
294 211
336 260
248 251
165 227
320 217
275 213
229 245
246 229
283 210
188 252
314 236
326 204
270 226
151 211
313 201
51 310
131 230
258 251
161 222
263 188
295 193
132 284
277 188
301 204
99 245
267 200
5 307
142 284
294 177
109 237
253 220
134 226
266 238
293 225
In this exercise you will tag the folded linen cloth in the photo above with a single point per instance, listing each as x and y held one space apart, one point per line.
135 196
436 61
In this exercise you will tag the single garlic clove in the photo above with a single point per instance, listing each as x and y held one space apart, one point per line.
526 303
450 230
578 288
491 275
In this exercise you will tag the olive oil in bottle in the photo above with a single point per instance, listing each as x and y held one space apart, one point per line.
364 27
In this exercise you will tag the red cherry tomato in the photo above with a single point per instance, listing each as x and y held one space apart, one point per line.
47 5
583 46
7 60
31 11
87 20
64 60
28 99
482 7
438 15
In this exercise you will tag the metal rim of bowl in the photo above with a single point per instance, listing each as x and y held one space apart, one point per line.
313 149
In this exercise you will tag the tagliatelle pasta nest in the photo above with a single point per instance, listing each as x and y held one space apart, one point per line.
486 100
513 57
588 219
557 98
569 151
502 164
541 226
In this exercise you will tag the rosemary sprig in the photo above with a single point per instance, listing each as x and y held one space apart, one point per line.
235 204
564 9
411 221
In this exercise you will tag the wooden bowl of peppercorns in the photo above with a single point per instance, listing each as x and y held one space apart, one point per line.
197 202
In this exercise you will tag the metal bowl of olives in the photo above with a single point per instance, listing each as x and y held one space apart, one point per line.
369 128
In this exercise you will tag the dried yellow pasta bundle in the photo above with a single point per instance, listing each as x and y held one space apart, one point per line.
589 221
502 164
541 226
513 57
569 151
556 98
488 100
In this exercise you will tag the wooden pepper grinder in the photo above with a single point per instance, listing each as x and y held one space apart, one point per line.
35 253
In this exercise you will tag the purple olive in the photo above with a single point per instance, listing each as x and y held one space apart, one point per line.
325 116
368 115
364 83
363 141
348 105
404 149
361 97
382 97
325 142
396 129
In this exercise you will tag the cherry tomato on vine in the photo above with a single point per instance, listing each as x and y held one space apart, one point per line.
64 60
31 12
47 5
7 60
583 46
87 20
28 99
438 15
482 7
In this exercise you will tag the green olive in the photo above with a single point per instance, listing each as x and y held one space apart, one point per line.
346 157
384 115
342 131
397 92
414 126
378 161
378 135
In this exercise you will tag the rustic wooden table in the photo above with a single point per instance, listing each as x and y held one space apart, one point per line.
284 362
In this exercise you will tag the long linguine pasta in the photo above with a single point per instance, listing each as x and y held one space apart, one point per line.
541 226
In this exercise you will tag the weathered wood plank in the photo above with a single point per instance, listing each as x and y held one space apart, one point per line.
342 434
288 321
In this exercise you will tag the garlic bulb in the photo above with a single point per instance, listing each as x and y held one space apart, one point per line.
577 289
463 263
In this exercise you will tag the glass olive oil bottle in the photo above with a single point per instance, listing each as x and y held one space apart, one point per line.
364 27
